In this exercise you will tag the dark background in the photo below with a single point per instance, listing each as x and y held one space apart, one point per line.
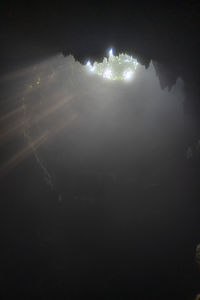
75 250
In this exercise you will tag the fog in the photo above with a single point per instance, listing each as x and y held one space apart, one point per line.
96 125
122 204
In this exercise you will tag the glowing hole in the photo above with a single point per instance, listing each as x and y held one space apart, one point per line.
120 67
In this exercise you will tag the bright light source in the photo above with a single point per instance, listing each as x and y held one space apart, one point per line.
120 67
88 64
92 68
107 73
128 74
111 52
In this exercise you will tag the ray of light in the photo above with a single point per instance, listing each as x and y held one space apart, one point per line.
11 113
17 127
21 155
33 145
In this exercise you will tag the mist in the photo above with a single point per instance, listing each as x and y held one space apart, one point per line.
111 126
112 188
